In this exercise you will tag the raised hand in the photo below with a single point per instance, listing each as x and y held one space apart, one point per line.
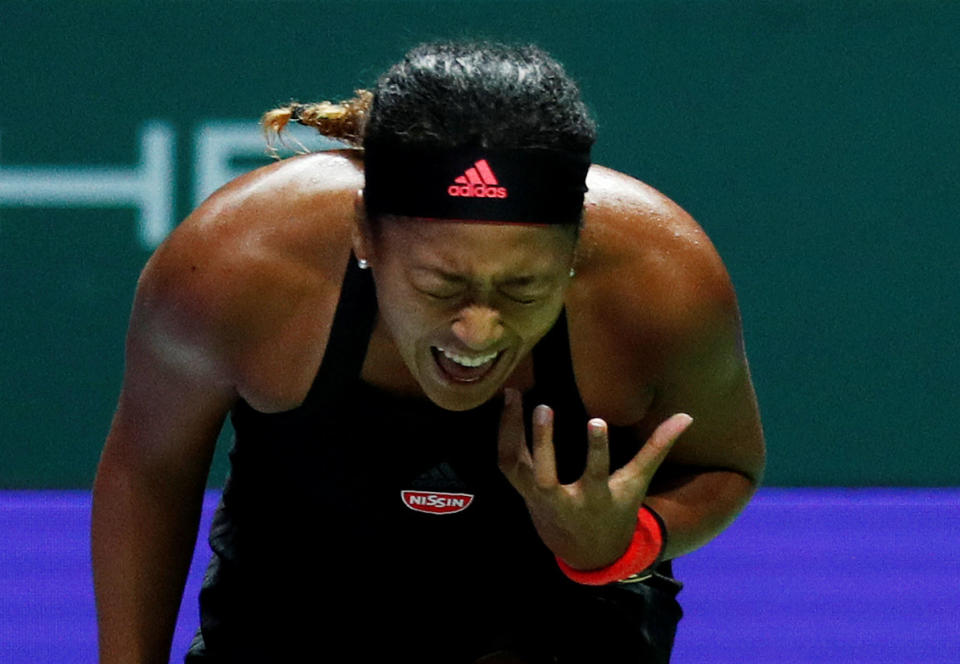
590 522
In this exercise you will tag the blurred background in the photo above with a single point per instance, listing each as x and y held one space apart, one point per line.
816 142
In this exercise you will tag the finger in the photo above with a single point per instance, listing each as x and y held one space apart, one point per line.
544 459
645 462
513 457
597 471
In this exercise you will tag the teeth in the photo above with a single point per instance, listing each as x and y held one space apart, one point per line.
467 361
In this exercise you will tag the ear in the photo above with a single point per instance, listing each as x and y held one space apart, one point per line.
362 238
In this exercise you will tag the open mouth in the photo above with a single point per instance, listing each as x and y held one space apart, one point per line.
465 368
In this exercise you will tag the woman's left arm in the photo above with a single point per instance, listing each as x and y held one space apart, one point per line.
679 342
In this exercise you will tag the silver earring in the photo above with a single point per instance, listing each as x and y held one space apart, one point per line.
573 273
362 263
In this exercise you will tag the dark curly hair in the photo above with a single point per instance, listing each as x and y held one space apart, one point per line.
447 94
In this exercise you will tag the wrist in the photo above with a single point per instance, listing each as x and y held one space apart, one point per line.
645 550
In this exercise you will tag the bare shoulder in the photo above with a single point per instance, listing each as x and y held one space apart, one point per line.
650 292
635 232
244 285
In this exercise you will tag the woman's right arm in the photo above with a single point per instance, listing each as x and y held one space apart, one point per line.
149 486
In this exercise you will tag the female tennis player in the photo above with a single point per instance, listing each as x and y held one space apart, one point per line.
484 391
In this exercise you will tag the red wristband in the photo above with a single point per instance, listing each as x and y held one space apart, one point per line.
644 551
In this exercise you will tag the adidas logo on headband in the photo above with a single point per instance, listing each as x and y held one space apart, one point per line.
426 182
478 181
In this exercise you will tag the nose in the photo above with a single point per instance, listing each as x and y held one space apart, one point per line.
478 327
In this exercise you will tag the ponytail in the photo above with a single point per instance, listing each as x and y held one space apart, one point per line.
343 122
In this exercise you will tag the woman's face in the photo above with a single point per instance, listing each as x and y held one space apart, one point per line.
465 302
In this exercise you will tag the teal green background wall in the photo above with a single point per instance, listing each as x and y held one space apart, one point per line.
816 142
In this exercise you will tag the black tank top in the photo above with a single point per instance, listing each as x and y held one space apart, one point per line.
328 545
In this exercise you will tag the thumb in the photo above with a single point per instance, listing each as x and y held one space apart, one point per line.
646 461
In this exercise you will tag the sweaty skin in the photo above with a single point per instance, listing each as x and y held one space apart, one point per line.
238 304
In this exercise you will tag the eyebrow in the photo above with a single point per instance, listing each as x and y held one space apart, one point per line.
521 281
526 280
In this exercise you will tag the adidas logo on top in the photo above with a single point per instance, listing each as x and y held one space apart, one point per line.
477 182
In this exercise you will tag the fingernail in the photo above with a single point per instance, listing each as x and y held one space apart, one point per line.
541 414
596 426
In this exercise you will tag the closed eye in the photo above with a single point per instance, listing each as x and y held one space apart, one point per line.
526 300
440 296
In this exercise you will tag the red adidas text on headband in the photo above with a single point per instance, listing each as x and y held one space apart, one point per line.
532 186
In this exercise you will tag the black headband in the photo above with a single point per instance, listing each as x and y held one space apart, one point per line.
532 186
